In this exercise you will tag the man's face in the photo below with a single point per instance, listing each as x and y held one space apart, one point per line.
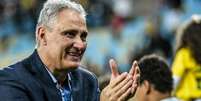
66 40
140 94
147 92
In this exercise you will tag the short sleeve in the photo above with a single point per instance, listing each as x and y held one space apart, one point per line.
178 66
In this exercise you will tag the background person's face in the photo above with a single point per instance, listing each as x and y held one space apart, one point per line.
66 42
140 94
146 92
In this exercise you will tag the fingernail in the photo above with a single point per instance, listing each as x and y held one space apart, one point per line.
135 62
111 60
125 73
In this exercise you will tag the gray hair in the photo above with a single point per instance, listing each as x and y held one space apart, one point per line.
51 8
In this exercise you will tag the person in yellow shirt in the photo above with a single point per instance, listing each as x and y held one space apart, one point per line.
186 66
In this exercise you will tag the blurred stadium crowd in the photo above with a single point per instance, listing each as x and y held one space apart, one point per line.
121 29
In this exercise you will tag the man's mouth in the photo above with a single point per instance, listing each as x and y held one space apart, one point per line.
75 55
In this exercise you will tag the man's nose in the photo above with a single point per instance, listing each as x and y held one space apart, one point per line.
79 43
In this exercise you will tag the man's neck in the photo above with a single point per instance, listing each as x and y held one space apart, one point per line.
61 76
43 56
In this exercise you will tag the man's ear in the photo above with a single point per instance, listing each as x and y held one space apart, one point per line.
147 86
41 35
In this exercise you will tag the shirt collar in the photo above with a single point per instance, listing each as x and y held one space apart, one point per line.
51 75
53 78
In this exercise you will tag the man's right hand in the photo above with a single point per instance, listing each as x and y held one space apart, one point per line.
121 85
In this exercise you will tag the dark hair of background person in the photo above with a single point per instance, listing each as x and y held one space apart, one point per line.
155 70
175 4
190 36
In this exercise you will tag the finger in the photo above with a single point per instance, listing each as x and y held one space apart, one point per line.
118 79
125 82
121 90
112 87
137 69
113 67
132 70
125 95
106 92
135 84
136 76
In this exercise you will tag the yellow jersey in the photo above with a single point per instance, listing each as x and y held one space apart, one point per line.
185 67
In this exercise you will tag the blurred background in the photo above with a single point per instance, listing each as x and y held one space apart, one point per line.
123 30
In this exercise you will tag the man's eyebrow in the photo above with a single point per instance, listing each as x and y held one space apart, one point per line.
85 32
75 31
72 30
69 30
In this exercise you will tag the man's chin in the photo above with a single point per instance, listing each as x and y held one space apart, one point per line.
72 65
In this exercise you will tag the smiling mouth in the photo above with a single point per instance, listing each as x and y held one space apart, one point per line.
75 56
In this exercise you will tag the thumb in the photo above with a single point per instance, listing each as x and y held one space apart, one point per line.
113 67
133 68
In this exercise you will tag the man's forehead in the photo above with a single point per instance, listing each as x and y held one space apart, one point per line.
70 19
71 15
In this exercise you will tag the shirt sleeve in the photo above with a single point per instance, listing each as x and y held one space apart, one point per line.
178 66
11 92
11 89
